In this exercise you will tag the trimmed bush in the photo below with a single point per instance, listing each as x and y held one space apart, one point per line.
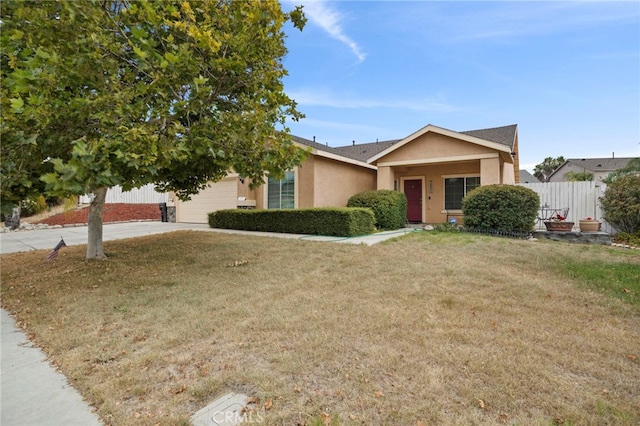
621 204
389 207
506 208
340 222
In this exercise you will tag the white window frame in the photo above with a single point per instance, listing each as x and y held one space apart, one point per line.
295 190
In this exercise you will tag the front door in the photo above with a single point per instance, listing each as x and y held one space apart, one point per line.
413 191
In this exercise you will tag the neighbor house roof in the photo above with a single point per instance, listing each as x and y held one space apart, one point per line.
606 165
526 177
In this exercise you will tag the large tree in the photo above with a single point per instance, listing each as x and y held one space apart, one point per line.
99 93
543 170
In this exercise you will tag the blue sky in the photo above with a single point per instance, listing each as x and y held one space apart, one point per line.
568 73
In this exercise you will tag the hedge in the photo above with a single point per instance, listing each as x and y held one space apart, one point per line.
341 222
505 208
621 204
389 207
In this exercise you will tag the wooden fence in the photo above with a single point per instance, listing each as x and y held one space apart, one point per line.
143 195
582 199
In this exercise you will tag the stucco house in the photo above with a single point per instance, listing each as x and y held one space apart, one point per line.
434 167
599 167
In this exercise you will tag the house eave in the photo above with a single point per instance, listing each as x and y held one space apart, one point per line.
445 132
336 157
452 159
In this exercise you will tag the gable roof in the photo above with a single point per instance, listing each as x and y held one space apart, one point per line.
363 154
498 138
526 177
599 164
596 165
364 151
505 135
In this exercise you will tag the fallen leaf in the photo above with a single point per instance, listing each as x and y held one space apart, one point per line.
297 389
268 404
420 423
503 418
626 290
352 417
632 357
253 400
481 403
379 394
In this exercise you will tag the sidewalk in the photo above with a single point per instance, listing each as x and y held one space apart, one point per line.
32 393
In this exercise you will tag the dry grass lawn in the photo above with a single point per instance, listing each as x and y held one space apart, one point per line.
425 329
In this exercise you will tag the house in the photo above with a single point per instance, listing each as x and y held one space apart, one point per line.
599 167
526 177
434 167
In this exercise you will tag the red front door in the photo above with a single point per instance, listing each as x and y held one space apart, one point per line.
413 191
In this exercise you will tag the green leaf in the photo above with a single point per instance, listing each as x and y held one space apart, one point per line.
172 57
138 32
17 105
17 35
140 52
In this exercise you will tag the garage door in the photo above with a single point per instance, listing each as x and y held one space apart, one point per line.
218 196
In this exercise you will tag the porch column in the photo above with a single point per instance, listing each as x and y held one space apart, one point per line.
509 175
385 177
490 171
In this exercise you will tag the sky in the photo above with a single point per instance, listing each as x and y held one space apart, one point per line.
567 73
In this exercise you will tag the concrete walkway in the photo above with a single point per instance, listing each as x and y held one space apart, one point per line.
32 392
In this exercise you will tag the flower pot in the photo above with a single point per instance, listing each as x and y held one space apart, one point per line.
590 225
559 226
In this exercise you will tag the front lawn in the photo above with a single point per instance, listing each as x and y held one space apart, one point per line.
432 328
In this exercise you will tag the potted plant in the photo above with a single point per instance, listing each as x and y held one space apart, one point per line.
558 223
589 225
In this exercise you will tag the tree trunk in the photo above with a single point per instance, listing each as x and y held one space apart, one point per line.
96 210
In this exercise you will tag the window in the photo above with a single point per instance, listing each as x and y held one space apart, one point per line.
456 188
281 193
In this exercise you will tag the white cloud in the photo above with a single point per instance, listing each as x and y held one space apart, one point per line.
329 19
324 98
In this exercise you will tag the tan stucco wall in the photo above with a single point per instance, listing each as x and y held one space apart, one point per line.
509 175
490 171
323 182
335 182
433 146
385 177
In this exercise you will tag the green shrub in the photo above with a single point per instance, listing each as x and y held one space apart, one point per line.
621 204
342 222
506 208
33 205
389 207
628 239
